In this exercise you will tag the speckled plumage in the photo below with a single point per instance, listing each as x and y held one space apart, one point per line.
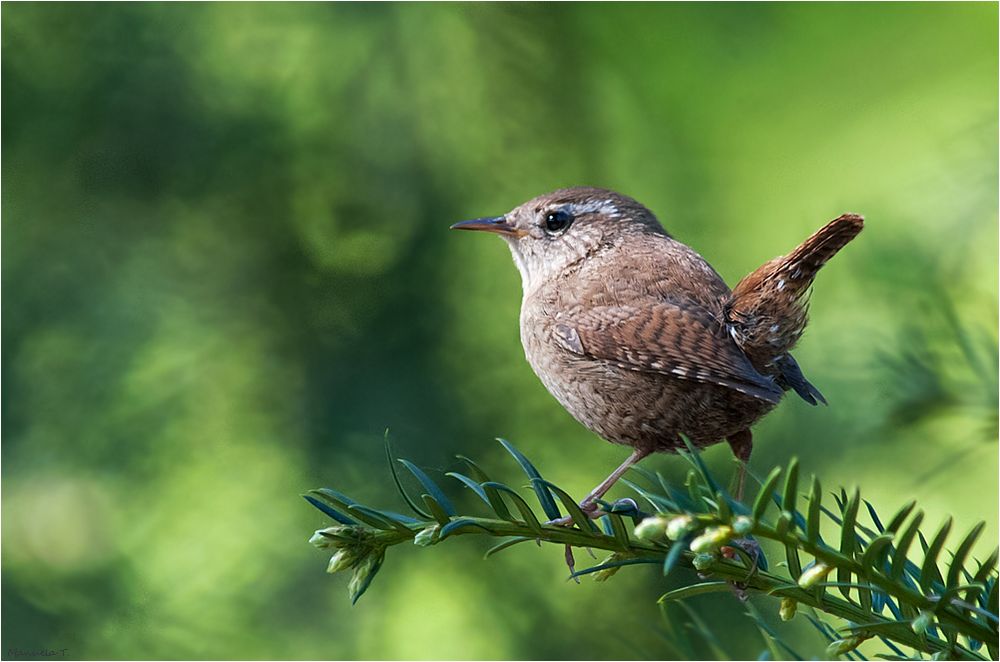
639 338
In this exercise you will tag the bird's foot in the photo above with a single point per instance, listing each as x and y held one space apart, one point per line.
752 549
589 509
751 552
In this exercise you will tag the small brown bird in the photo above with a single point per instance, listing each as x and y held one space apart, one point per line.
640 339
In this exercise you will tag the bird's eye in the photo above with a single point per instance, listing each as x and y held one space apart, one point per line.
557 221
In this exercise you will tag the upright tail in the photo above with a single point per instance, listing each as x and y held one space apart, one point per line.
767 311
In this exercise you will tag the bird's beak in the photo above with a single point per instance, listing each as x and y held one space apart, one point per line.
495 224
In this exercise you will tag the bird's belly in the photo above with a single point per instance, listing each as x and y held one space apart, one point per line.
640 409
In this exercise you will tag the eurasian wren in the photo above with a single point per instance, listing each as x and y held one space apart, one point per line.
640 339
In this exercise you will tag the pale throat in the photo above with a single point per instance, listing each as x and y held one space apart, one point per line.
537 269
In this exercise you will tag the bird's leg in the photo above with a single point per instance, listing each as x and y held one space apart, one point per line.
589 505
637 455
742 445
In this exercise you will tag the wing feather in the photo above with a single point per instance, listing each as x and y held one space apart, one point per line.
664 338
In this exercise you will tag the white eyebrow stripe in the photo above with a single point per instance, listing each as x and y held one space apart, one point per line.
605 206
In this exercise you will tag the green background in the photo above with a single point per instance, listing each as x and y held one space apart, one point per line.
226 271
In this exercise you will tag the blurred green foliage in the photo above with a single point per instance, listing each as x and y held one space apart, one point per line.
226 271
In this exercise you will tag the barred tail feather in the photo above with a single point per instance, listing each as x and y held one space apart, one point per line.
801 265
766 312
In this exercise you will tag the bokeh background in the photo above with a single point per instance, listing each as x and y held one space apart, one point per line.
226 271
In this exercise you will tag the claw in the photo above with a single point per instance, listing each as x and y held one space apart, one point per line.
753 550
571 563
589 509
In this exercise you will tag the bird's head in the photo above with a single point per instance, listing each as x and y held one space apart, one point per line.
550 233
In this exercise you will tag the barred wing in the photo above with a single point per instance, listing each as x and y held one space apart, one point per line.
665 338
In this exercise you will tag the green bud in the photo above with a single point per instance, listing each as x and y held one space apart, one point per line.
333 536
364 572
679 526
814 575
703 561
651 528
320 541
338 536
711 539
922 622
842 646
427 536
742 525
342 560
787 608
608 573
